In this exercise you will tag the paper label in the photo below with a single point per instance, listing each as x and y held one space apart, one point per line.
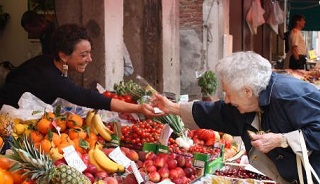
136 172
165 134
54 124
157 110
117 156
73 159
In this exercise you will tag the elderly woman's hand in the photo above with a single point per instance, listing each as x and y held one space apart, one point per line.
266 141
149 111
165 105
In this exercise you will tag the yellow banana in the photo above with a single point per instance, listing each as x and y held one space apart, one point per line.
92 129
99 182
108 130
89 117
104 161
100 127
55 155
92 160
88 120
121 168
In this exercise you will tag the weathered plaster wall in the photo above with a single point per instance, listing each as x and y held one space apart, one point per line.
171 47
103 18
199 51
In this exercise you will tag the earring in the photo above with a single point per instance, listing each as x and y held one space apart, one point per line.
65 70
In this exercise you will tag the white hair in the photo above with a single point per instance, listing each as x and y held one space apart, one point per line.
244 69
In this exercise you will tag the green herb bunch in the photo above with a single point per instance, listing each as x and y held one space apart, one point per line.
208 83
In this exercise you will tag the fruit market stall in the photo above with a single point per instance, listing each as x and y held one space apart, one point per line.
66 146
312 76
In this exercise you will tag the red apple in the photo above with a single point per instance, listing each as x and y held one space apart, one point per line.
172 156
101 175
150 168
150 155
159 162
173 174
91 169
180 171
60 161
130 178
85 158
172 164
185 180
133 155
142 155
147 163
154 176
178 181
111 180
188 163
107 151
139 163
164 172
125 150
89 176
188 172
181 160
163 155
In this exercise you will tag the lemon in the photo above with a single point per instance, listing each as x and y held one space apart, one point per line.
19 129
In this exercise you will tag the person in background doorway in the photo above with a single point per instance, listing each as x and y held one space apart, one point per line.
128 67
37 26
297 45
257 99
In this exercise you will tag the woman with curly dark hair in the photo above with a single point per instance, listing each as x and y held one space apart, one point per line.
46 76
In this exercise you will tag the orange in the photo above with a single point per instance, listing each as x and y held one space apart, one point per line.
64 137
27 182
64 144
78 132
36 136
81 145
44 125
48 115
61 122
91 142
74 120
1 142
92 139
46 145
5 177
54 137
92 136
4 163
17 177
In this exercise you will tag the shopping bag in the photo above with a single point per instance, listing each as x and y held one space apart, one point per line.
303 158
264 164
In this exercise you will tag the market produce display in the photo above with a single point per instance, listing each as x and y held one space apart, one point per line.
67 148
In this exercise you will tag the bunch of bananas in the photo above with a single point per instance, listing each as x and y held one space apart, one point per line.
95 124
98 158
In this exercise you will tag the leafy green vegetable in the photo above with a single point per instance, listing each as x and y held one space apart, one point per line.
208 83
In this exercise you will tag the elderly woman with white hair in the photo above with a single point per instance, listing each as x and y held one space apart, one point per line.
259 100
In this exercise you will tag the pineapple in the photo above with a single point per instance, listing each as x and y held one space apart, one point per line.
6 125
39 167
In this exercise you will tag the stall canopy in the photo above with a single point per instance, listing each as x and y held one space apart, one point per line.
308 8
